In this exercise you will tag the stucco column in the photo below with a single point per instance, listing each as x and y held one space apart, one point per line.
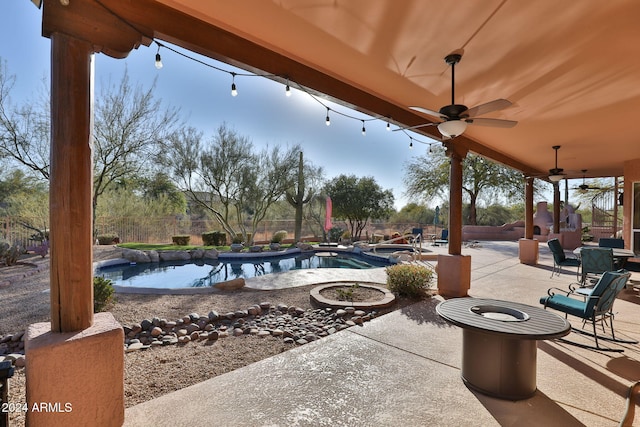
528 250
454 269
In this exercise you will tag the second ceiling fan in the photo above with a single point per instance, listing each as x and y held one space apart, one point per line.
456 117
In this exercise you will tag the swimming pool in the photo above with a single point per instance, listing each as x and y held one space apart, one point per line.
206 273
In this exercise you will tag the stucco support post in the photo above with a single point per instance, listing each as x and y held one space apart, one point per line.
454 269
528 247
76 362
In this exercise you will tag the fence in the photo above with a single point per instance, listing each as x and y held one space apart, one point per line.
160 230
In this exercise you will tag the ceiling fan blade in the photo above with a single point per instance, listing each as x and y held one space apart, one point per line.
488 107
429 112
416 126
496 123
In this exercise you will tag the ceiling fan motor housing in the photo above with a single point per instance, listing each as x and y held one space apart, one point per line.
453 112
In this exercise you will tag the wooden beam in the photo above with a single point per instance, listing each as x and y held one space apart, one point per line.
457 154
70 185
90 21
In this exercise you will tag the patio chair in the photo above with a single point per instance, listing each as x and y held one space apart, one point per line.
594 307
444 238
560 259
608 242
595 261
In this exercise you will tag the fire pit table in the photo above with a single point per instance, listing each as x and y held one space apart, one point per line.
499 346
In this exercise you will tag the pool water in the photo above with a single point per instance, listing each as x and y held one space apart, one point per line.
205 273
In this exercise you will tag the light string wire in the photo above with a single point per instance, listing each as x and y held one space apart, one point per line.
270 76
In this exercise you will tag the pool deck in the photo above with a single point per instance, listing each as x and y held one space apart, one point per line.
403 368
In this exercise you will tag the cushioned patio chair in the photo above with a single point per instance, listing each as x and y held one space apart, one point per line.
596 306
594 262
607 242
560 259
444 238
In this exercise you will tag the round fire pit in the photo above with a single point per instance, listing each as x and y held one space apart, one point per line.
386 297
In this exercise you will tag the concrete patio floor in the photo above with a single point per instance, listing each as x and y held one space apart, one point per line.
403 369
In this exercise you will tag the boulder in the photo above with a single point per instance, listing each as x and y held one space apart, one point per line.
230 285
175 256
211 254
135 255
153 256
197 254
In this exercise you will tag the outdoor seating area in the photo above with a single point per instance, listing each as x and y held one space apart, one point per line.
405 368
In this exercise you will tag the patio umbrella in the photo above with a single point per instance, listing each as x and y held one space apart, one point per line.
327 217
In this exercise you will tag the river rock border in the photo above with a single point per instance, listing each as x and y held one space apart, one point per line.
388 300
294 325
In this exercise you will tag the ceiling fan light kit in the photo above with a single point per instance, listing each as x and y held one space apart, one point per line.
452 128
556 174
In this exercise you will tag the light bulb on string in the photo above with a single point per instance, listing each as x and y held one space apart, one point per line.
287 89
158 59
364 131
430 149
234 91
411 144
328 120
388 127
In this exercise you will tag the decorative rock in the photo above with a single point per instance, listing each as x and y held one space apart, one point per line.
265 305
223 334
282 308
195 336
184 339
237 332
194 317
181 332
192 328
213 315
350 323
301 341
255 248
186 320
134 347
359 313
197 254
240 313
350 310
146 324
288 340
277 332
213 335
156 332
263 334
340 312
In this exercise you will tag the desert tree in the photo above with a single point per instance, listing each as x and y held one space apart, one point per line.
357 200
228 179
131 127
427 177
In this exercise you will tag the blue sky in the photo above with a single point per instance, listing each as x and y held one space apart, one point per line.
261 111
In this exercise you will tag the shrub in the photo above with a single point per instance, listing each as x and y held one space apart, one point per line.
9 254
214 238
237 238
102 294
279 236
335 233
108 239
182 240
409 280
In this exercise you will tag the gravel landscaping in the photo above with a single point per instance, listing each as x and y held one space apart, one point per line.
168 344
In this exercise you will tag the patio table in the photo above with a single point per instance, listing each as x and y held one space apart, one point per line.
499 346
618 254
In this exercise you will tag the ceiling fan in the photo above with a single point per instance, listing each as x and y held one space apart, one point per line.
456 117
584 186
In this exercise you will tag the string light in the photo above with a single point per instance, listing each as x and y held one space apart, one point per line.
158 59
287 89
234 91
